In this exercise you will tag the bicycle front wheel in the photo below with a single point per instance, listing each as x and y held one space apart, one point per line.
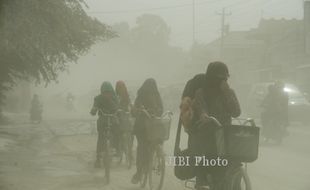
107 160
157 169
240 181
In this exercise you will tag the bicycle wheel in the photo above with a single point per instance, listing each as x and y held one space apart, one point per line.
157 169
107 160
240 180
143 180
128 150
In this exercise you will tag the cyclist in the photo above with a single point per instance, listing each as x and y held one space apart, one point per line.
125 105
212 97
105 102
123 96
148 98
36 109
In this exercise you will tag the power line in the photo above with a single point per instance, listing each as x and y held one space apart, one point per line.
152 9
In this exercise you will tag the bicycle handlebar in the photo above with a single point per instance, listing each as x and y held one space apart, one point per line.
107 114
150 115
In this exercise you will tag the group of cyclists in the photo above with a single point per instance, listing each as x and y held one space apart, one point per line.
206 96
111 101
209 94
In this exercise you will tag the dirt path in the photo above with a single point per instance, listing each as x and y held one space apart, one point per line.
59 154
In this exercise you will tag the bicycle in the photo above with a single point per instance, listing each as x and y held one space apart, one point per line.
107 138
155 171
126 137
236 176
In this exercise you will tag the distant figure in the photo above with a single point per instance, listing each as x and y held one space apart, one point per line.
36 110
275 114
70 102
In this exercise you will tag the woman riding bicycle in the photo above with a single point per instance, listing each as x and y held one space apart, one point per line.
125 136
213 98
123 96
148 98
105 102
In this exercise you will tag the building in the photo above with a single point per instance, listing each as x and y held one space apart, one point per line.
277 49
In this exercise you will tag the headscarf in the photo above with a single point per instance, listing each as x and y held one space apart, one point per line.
122 93
149 94
107 87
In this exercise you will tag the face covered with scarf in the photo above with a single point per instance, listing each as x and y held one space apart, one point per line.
217 74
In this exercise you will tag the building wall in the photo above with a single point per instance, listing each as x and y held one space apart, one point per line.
307 25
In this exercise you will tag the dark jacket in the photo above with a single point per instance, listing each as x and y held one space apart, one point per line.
103 104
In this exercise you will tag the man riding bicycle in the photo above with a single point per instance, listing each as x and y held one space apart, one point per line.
212 97
104 103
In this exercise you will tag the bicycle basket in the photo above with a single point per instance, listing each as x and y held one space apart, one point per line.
158 129
241 143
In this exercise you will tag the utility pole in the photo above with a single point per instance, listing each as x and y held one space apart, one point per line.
223 15
194 25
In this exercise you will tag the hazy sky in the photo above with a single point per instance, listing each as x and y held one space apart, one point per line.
245 14
178 15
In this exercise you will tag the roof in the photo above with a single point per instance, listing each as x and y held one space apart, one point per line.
273 27
236 38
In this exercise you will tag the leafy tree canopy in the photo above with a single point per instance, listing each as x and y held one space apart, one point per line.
39 38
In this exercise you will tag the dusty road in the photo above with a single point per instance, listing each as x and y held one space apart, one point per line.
58 154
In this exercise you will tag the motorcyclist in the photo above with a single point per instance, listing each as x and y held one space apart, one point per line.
148 98
275 106
105 102
36 109
213 97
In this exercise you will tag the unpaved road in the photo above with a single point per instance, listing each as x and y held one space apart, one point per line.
58 154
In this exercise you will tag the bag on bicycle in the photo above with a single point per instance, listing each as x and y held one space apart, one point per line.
241 142
158 129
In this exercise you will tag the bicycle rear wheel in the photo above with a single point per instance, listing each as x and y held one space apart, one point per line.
157 170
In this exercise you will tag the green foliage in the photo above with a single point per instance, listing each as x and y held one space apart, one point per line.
39 38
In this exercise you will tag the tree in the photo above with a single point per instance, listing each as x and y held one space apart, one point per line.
151 30
39 38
